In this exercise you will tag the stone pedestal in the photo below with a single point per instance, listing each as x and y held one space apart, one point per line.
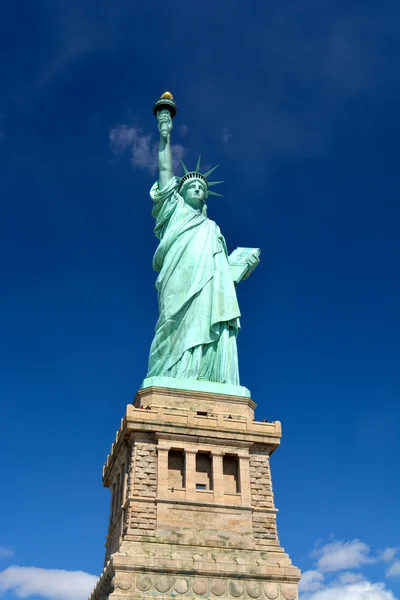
192 510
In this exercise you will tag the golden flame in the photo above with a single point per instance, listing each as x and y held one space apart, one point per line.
167 95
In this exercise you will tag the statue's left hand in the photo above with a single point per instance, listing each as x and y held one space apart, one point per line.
252 262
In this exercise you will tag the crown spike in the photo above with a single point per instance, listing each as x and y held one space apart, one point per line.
198 164
211 193
210 171
185 169
210 183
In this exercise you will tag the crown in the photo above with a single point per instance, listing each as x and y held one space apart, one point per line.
197 175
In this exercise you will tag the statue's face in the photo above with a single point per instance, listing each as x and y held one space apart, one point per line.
194 194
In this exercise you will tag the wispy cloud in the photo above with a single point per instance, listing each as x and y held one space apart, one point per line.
326 582
332 579
361 590
55 584
387 555
226 135
314 580
76 30
6 552
311 581
143 148
348 578
337 556
394 569
183 129
313 64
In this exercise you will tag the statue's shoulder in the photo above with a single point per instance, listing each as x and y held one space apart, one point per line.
169 190
214 226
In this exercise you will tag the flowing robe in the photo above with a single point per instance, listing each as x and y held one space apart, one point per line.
195 336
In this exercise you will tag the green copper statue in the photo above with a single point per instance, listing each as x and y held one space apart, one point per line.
195 337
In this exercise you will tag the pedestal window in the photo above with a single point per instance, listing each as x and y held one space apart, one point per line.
204 480
176 469
230 467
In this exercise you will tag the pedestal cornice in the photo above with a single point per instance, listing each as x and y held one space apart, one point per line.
178 422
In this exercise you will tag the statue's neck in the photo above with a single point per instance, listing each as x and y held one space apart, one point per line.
196 205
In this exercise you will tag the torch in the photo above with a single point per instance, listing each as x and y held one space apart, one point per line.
165 102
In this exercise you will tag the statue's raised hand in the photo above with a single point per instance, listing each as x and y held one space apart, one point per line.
164 124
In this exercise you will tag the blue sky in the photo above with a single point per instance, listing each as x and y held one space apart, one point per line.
298 103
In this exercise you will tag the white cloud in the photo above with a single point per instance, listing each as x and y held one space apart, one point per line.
55 584
387 555
226 135
348 577
324 583
337 556
143 148
311 581
6 552
362 590
394 569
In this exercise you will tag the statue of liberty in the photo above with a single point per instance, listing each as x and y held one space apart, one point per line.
195 335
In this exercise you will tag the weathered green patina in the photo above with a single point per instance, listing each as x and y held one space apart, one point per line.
195 337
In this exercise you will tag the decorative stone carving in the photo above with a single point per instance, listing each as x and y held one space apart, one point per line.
162 584
289 591
254 589
197 557
218 586
236 588
200 586
143 583
124 582
181 585
271 590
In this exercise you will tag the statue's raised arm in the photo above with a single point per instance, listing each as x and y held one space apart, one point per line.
165 109
164 149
